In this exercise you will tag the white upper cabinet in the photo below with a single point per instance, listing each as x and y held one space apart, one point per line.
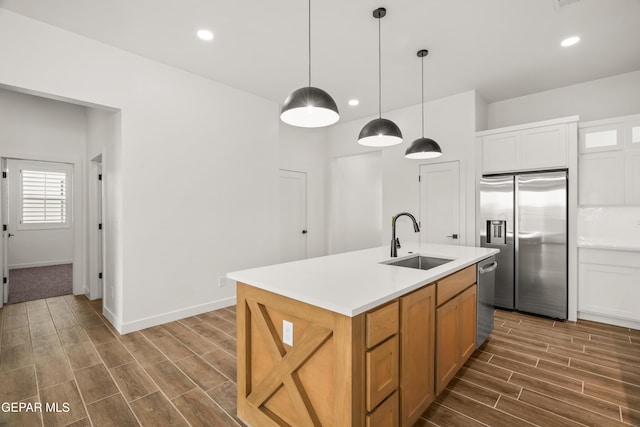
544 147
501 152
604 137
610 161
602 178
536 146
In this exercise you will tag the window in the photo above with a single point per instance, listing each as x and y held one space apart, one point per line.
44 201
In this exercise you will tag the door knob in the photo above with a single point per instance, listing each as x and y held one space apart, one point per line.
304 231
453 236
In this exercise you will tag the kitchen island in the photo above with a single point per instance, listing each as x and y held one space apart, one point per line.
349 340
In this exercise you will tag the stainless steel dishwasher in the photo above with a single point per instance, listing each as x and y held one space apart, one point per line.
486 298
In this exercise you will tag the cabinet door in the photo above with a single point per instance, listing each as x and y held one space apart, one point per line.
602 178
501 152
609 290
633 177
604 137
417 352
468 320
447 338
544 147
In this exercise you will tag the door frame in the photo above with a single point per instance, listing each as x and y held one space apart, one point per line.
461 199
78 214
95 216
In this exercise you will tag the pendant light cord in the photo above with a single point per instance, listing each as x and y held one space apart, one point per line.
379 71
422 93
309 22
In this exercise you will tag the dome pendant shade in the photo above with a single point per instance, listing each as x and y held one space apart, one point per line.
309 107
423 148
380 133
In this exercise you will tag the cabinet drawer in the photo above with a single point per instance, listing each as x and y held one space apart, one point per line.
382 372
452 285
382 323
386 415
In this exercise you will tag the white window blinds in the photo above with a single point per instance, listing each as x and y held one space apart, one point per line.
44 197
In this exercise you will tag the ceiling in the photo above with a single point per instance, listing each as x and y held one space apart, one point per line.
502 48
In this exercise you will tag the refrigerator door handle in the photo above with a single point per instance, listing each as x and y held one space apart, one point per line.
489 268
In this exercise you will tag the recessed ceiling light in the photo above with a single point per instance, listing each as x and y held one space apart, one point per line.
354 102
570 41
205 35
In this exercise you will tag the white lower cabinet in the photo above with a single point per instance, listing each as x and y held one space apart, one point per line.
609 286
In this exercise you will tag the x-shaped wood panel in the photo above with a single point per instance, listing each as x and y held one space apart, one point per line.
286 364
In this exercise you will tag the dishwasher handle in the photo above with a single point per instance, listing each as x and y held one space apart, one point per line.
489 268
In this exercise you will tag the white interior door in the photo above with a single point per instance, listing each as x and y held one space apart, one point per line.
293 215
440 203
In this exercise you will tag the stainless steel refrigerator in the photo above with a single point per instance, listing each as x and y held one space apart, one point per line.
525 216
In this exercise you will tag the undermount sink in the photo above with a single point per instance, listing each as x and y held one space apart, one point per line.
420 262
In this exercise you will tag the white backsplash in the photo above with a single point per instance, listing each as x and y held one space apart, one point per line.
609 226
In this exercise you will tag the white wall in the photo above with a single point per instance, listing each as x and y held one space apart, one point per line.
36 128
305 150
189 184
597 99
356 200
451 122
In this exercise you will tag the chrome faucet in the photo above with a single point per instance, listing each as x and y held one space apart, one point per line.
395 243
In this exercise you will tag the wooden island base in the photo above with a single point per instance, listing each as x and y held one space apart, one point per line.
315 382
378 368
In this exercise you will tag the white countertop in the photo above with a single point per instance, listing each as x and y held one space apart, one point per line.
609 245
354 282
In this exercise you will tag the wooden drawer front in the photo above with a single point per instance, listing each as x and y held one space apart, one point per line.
452 285
381 324
382 372
386 415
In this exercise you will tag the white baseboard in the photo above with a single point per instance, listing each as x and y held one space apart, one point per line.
40 264
112 318
625 323
136 325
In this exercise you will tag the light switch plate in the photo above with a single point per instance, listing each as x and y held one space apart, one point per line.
287 332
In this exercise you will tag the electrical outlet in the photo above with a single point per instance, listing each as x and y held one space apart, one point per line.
287 332
637 223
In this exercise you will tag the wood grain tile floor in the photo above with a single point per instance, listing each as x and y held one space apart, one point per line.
537 371
531 371
62 350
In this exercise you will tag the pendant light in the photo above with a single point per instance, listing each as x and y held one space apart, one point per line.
309 107
423 148
380 132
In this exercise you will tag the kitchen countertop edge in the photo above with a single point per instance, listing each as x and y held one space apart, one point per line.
352 283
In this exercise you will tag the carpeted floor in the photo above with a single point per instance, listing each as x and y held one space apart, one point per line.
28 284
